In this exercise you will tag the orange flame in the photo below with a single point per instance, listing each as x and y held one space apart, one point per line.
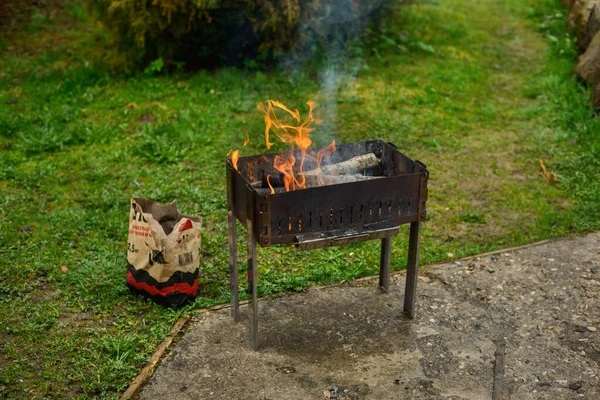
269 182
235 154
296 135
325 152
285 164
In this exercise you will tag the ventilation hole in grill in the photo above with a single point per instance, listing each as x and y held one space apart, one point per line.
341 215
380 207
289 224
360 218
300 223
279 226
351 213
370 212
320 218
330 216
309 219
408 208
390 209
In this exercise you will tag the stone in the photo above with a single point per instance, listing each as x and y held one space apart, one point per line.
592 27
578 17
286 370
591 329
574 386
588 67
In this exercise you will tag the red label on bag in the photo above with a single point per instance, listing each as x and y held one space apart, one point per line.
186 225
184 288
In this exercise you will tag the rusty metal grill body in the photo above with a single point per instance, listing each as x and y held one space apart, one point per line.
328 215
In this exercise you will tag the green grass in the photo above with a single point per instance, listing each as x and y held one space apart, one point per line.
479 91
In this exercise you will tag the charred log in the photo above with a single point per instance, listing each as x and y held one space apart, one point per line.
323 180
348 167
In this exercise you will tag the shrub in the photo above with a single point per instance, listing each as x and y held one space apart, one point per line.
198 32
205 33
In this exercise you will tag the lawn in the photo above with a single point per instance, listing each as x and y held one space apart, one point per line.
479 91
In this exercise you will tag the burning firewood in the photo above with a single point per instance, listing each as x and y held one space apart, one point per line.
322 180
342 172
266 191
348 167
272 180
315 181
333 173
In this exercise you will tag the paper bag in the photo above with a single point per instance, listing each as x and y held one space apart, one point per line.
163 253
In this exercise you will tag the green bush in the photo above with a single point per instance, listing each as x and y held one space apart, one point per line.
206 33
200 33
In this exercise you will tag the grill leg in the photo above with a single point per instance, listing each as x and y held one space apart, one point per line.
252 289
410 293
233 257
384 264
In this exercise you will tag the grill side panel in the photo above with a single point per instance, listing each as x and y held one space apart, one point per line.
346 206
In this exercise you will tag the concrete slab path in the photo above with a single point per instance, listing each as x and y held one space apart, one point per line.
351 341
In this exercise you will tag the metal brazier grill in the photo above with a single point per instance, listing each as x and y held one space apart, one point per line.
328 215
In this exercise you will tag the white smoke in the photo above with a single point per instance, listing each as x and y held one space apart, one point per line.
327 32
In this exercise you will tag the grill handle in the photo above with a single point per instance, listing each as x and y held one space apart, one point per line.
349 239
380 230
